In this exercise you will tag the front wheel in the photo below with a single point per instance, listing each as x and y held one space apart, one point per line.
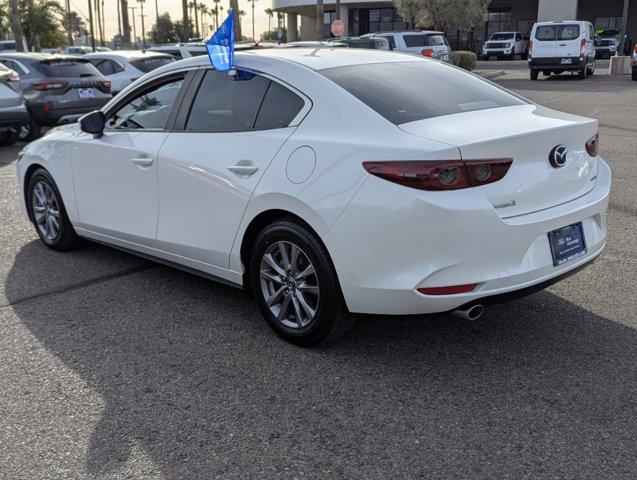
296 286
48 214
9 137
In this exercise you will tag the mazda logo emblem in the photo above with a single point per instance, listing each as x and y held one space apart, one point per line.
557 157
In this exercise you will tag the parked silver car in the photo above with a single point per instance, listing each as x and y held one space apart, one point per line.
13 113
57 88
428 43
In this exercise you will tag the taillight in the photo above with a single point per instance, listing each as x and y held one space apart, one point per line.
530 48
49 85
582 44
452 290
440 174
428 52
592 146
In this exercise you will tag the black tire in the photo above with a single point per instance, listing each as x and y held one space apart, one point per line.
30 131
330 320
591 68
534 73
582 73
9 137
66 238
634 74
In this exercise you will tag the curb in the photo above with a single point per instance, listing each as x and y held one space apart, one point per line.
491 73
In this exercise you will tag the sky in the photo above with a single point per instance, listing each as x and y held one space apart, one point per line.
173 7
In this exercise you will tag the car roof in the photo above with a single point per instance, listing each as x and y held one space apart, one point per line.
559 22
408 32
26 56
312 58
126 54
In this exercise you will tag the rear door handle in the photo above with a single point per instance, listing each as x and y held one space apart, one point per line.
142 161
244 168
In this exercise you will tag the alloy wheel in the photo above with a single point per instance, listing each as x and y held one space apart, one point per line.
289 285
46 210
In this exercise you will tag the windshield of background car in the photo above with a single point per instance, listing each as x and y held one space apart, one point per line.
404 92
425 40
67 68
149 64
502 36
557 32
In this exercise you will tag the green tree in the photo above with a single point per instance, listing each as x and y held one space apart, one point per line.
41 24
78 26
163 31
440 14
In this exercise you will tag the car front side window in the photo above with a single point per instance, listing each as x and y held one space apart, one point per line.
149 110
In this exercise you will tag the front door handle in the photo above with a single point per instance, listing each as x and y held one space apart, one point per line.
142 161
244 168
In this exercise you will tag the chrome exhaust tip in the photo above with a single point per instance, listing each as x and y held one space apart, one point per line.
472 312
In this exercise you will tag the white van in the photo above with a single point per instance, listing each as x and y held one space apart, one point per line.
564 46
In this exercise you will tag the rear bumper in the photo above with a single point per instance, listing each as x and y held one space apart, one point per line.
390 244
555 63
52 114
14 116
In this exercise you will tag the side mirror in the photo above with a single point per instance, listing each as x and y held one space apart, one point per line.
93 123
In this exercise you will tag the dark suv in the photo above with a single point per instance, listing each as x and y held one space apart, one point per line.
57 88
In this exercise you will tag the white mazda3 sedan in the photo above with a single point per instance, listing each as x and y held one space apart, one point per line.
329 181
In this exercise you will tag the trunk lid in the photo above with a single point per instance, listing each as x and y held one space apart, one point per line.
527 134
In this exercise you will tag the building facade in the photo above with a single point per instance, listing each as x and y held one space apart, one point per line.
371 16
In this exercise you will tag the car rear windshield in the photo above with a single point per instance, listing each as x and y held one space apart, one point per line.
404 92
557 32
425 40
151 63
502 36
68 68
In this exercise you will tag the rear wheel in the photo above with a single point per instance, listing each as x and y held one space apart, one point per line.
634 74
582 73
534 74
30 131
48 214
9 137
296 286
591 68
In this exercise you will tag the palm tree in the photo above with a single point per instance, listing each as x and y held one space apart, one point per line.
320 31
203 11
234 4
14 6
185 19
193 14
270 13
215 11
254 38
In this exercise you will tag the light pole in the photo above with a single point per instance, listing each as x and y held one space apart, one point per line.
90 20
132 9
254 38
622 32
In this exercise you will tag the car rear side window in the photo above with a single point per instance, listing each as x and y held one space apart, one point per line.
404 92
416 40
151 63
546 33
67 68
278 109
226 103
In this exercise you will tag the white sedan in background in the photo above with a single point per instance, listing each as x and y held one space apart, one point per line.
123 67
317 181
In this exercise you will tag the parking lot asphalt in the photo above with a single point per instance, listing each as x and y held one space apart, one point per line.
115 367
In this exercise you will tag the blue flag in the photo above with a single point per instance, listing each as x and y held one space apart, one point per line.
220 47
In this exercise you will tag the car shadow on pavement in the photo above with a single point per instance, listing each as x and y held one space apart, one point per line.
189 373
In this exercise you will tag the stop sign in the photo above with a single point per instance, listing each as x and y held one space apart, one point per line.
338 27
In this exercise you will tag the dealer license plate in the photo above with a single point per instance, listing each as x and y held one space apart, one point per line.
567 243
86 92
